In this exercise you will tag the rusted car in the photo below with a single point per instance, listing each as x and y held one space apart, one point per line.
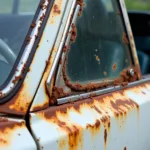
70 76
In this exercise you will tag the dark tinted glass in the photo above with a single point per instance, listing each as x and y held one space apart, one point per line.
101 49
15 20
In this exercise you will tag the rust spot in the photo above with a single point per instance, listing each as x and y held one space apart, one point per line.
19 103
125 39
114 67
123 106
126 78
42 4
65 48
73 33
62 144
42 17
16 79
105 136
59 92
7 128
82 4
40 107
95 128
75 138
23 68
97 59
105 119
56 9
28 40
1 94
105 73
47 64
33 24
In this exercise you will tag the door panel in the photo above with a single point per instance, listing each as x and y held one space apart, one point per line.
14 135
115 121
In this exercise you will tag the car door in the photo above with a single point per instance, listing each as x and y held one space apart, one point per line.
21 48
92 94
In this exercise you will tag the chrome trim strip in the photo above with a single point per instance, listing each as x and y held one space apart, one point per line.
67 42
58 55
11 85
83 96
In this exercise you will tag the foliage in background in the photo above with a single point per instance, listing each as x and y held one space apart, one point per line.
138 4
29 5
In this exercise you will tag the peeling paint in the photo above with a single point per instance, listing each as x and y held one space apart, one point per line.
56 11
19 103
12 135
98 116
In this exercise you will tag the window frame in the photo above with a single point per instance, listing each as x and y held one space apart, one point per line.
102 83
83 94
28 49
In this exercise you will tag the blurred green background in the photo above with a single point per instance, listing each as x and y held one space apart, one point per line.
138 4
30 5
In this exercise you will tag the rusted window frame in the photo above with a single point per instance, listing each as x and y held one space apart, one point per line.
24 59
66 97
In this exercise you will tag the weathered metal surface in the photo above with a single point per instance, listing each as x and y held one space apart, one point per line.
20 103
119 120
14 135
41 99
124 79
130 35
36 26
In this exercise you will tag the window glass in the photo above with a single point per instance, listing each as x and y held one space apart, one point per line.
101 49
28 6
13 30
138 4
6 6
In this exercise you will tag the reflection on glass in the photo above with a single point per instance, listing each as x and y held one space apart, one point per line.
99 51
13 29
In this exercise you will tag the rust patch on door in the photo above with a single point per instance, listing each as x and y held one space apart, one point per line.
19 104
7 129
56 11
118 104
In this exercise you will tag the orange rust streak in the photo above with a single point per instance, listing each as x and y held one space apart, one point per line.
7 128
19 103
109 103
104 106
94 129
46 74
56 11
40 107
62 144
75 138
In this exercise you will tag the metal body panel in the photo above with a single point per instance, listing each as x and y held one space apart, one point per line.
50 34
20 103
119 120
41 99
14 135
27 51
